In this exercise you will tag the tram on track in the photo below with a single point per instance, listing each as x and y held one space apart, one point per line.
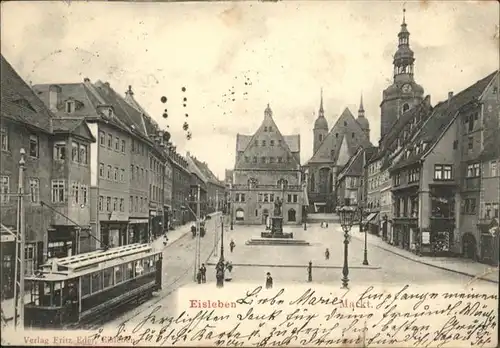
71 290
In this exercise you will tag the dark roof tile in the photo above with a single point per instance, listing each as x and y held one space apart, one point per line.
19 101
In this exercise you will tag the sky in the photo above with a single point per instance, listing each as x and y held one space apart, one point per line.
285 52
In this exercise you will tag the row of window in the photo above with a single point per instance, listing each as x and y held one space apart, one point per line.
100 280
139 148
264 143
138 174
138 204
111 204
264 159
79 192
106 140
115 174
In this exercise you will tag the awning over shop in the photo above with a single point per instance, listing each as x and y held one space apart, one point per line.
138 221
7 234
370 218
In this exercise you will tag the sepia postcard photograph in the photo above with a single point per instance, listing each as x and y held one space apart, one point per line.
250 173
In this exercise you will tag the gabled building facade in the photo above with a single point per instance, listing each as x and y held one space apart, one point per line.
332 151
56 179
267 167
441 163
349 181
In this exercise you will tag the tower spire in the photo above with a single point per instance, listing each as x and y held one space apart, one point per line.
321 112
404 15
361 111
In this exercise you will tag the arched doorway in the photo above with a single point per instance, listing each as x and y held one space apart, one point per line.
469 246
292 215
240 214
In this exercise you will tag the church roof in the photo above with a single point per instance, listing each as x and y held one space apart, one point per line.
20 103
285 147
443 115
346 132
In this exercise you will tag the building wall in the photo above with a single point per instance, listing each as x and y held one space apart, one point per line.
111 159
374 181
138 176
167 184
267 183
76 174
180 192
37 218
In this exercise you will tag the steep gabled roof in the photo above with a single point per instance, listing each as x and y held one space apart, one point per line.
354 167
443 115
193 168
76 126
207 173
20 103
125 112
343 130
280 148
419 113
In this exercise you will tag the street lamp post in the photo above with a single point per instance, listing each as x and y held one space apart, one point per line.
347 215
219 270
20 249
232 210
365 252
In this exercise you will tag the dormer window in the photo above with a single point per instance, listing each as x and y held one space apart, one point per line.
110 112
70 106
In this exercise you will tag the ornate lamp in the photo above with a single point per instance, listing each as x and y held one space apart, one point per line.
347 218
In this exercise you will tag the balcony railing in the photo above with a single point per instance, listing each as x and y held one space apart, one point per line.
267 187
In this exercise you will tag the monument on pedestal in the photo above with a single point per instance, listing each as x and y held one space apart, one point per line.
276 236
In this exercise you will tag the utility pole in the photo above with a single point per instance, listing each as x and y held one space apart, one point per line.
197 242
215 222
20 249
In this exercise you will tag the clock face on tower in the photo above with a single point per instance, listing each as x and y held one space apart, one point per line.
406 88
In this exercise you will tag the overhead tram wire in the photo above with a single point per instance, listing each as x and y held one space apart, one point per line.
42 203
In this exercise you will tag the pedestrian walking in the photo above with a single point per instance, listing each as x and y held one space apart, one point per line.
269 281
327 225
327 254
232 245
203 270
198 276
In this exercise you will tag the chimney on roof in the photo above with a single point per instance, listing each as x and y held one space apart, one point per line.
86 80
450 95
106 84
54 93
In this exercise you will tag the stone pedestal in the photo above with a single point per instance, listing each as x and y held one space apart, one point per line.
276 229
276 225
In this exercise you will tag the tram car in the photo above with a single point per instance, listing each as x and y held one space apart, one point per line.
77 289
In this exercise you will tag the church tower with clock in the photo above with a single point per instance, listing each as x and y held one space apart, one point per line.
404 93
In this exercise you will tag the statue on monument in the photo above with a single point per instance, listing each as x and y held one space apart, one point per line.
277 206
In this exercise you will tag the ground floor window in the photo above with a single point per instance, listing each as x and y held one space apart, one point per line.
58 249
292 215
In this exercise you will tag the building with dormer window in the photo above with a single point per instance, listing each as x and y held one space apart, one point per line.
267 167
56 178
437 175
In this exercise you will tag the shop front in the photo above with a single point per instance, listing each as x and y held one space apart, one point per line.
405 233
441 236
490 232
114 233
167 217
138 230
155 223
